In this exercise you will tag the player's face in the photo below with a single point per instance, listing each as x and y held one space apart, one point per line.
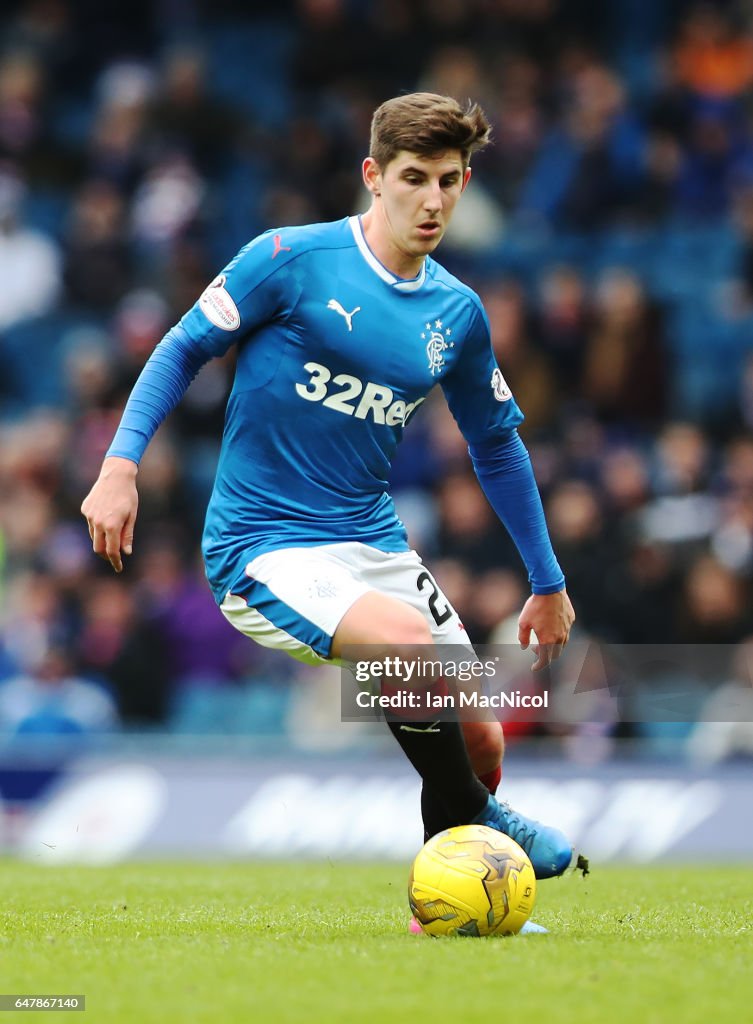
415 199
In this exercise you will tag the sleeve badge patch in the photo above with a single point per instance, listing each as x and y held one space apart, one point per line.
499 386
218 307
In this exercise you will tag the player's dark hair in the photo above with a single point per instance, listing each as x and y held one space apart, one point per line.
427 124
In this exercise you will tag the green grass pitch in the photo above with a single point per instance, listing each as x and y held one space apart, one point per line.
310 942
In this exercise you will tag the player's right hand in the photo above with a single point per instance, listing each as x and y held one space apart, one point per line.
110 510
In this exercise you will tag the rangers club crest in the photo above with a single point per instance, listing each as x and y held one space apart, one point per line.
437 338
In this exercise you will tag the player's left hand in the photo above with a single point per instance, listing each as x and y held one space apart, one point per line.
550 617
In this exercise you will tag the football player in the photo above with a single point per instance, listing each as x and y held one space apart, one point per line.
341 331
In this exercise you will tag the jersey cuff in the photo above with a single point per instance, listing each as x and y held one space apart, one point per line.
548 588
128 444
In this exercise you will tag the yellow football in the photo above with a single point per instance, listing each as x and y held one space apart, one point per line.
472 880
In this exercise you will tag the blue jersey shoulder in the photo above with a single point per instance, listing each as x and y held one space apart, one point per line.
293 240
436 272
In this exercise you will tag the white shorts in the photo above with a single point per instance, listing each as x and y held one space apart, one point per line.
294 599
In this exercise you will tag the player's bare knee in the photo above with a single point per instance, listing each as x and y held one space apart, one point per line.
409 641
485 744
386 626
409 630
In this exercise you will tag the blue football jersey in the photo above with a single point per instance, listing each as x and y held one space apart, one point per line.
335 356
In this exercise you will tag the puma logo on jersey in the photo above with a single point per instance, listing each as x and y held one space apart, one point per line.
279 247
350 396
335 305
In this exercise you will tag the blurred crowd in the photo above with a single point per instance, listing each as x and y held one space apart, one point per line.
609 231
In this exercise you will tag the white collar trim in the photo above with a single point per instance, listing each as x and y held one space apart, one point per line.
379 269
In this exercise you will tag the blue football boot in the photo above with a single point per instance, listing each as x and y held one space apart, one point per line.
531 928
548 849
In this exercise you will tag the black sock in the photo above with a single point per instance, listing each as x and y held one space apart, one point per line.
438 753
433 813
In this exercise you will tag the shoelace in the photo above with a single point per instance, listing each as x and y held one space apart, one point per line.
518 830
